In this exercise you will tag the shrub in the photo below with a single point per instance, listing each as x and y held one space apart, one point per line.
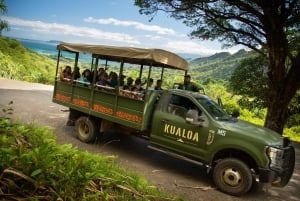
33 166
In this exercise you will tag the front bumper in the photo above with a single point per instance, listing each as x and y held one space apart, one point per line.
280 176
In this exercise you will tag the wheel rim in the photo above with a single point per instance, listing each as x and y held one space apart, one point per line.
232 177
83 129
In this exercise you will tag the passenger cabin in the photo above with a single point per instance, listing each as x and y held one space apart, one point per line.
115 104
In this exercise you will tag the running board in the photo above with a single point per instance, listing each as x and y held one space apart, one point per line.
169 153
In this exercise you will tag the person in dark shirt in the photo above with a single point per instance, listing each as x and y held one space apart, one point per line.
76 73
188 85
158 85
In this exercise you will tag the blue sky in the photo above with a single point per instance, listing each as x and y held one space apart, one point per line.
107 22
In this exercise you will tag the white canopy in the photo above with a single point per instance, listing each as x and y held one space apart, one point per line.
154 57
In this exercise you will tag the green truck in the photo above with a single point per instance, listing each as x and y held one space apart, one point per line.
183 124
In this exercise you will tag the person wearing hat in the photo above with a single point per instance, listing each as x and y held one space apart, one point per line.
188 85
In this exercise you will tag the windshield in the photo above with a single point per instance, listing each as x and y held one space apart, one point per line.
213 108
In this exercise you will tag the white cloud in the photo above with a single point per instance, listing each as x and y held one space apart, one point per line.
154 38
56 31
136 25
64 29
190 47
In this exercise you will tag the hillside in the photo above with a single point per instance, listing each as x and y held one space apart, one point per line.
20 63
218 66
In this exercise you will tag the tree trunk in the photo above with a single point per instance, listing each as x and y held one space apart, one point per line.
277 112
283 86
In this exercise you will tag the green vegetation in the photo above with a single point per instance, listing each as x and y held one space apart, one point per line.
34 167
20 63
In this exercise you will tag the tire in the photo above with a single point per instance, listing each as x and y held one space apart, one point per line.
87 129
232 176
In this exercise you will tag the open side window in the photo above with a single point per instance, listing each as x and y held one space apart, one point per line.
187 109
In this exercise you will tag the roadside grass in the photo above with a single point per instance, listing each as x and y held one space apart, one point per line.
34 167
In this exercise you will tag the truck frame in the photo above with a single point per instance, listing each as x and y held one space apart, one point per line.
183 124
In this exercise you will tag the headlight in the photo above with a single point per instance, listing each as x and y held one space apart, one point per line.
276 157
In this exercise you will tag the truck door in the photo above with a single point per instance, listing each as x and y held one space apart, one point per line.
170 128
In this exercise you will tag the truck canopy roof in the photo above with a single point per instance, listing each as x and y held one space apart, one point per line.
154 57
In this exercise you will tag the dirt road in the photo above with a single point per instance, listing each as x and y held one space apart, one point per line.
32 103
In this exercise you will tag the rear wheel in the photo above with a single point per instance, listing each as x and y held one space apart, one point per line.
232 176
87 129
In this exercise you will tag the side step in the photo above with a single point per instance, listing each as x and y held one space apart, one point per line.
169 153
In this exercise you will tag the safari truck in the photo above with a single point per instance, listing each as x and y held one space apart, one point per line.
183 124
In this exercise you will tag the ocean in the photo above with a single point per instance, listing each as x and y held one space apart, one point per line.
48 48
42 47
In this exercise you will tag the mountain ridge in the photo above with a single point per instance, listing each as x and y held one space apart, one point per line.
219 66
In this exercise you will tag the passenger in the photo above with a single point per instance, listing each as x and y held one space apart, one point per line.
84 78
122 82
188 85
129 84
150 83
113 79
90 76
66 74
138 85
99 73
76 73
158 85
103 79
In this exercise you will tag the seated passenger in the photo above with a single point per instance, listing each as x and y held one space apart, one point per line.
99 73
66 74
84 78
138 85
150 83
103 79
113 79
76 73
129 83
122 82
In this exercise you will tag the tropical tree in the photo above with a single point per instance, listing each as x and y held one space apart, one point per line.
3 23
249 74
270 27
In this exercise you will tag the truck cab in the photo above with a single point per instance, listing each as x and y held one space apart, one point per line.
183 124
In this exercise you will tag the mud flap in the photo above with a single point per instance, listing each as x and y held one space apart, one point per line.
289 161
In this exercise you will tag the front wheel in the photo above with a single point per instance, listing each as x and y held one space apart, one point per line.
87 129
232 176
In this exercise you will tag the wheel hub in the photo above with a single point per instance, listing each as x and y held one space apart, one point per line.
84 129
232 177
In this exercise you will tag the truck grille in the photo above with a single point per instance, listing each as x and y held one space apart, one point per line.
287 166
